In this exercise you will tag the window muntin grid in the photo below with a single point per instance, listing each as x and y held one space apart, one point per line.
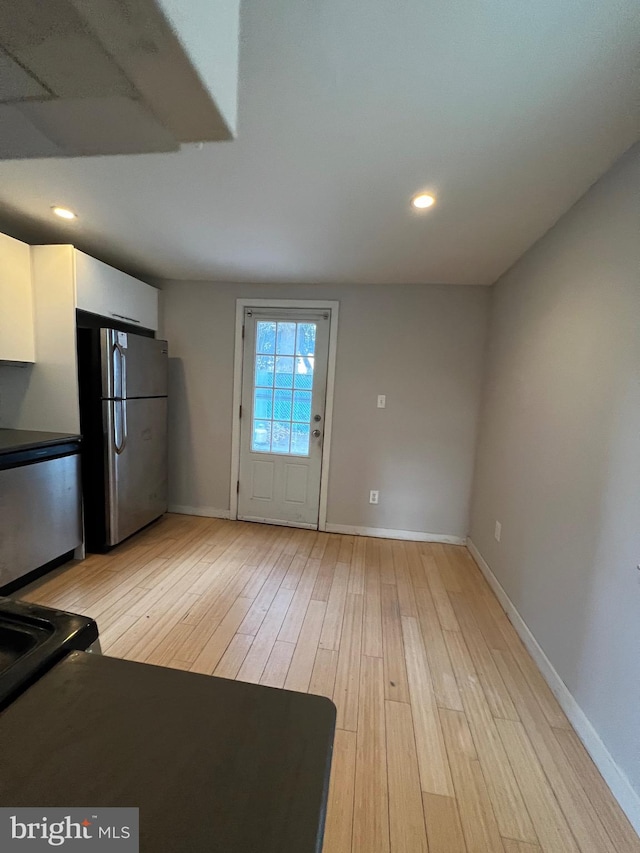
283 387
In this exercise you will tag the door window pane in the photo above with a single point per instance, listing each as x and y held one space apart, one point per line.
264 371
280 436
284 372
282 404
266 337
306 340
283 386
263 403
261 439
300 439
286 340
304 373
302 406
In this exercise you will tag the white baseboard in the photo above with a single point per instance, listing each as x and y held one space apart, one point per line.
206 511
387 533
615 778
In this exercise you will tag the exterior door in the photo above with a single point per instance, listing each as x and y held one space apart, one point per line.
284 379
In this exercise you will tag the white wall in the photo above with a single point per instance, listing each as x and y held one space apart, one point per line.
422 346
558 460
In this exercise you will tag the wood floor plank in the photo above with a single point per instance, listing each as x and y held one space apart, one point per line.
547 701
444 831
564 781
414 563
446 568
356 575
321 544
324 579
385 555
406 816
435 775
110 635
323 677
208 613
372 557
267 564
332 626
406 596
345 695
234 656
372 632
487 608
277 666
256 659
508 805
216 645
611 816
444 680
166 650
548 819
306 541
266 595
443 606
292 624
339 825
371 798
346 549
301 668
476 814
396 686
511 846
498 697
140 639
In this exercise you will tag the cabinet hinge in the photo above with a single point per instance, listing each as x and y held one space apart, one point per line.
238 487
243 333
240 412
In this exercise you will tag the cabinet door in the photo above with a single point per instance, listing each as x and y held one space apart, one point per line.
103 290
16 301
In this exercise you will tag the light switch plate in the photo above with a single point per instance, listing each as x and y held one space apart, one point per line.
382 401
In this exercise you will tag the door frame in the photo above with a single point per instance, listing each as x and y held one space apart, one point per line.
313 304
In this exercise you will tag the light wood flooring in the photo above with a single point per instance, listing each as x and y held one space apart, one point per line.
448 738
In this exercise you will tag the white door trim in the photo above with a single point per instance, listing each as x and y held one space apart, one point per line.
241 304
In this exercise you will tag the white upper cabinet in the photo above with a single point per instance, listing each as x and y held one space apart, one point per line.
103 290
16 302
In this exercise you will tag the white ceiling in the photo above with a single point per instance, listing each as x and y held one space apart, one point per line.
507 110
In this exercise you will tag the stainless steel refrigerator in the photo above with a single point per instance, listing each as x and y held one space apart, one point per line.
123 394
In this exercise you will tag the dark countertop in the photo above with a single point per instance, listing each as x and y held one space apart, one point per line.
12 440
215 766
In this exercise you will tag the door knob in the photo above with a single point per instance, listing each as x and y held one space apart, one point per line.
316 433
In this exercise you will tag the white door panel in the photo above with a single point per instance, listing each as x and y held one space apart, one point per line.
284 379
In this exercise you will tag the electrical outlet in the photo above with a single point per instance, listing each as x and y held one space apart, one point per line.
373 497
498 531
382 401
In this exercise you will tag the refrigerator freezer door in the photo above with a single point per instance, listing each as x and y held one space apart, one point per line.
136 464
132 365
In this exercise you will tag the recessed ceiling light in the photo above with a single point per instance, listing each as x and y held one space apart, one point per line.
422 201
63 212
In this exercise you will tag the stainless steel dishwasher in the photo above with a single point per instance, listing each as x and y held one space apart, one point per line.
40 507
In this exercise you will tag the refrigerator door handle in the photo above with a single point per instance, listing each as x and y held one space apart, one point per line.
119 426
123 403
123 373
119 375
